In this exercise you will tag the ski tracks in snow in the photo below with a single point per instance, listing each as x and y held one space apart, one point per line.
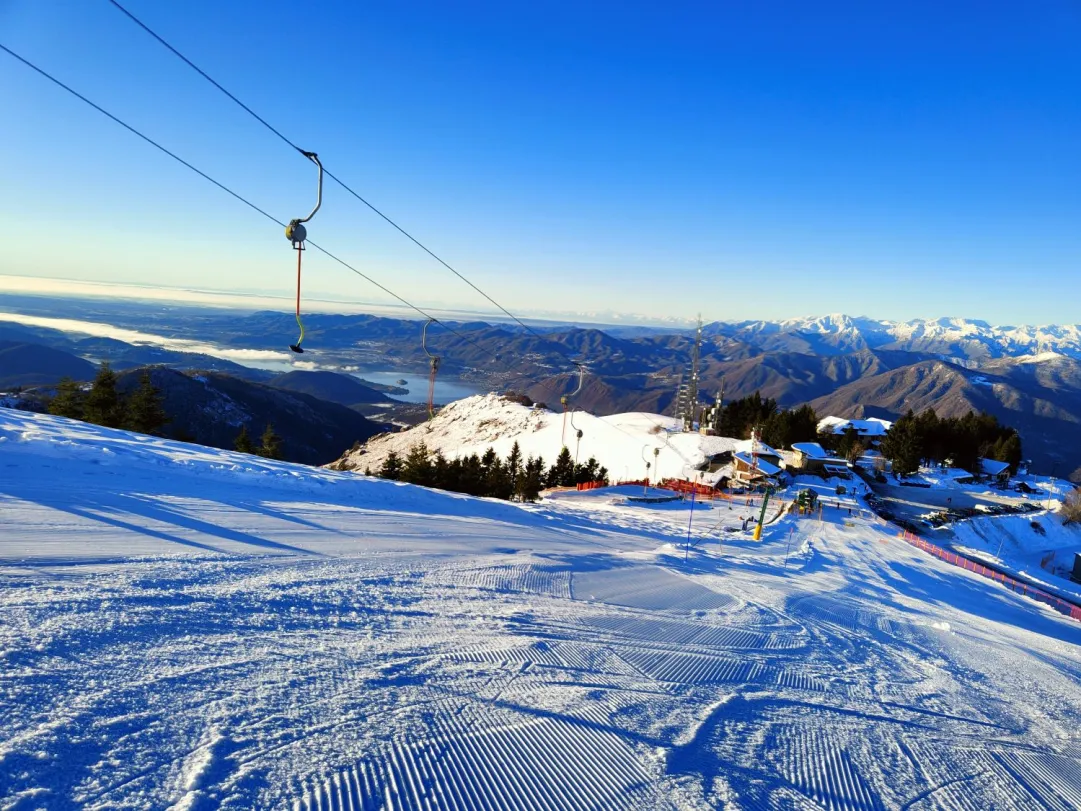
516 681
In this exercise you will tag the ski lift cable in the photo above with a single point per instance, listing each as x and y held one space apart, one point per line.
334 177
522 375
340 182
248 202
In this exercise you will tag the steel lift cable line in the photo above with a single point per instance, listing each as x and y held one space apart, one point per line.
330 174
339 181
522 375
253 206
45 74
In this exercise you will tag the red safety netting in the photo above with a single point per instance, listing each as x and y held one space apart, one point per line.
1057 603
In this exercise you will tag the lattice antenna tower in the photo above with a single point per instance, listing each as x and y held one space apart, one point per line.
688 395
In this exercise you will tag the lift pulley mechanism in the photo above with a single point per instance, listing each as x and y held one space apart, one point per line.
578 439
296 233
433 362
565 399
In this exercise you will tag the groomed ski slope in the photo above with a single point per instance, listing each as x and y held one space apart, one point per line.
185 628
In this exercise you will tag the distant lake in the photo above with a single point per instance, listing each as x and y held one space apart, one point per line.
445 390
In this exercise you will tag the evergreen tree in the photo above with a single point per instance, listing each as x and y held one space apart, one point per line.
804 424
586 472
441 473
855 451
145 412
562 472
930 435
454 476
514 466
602 474
471 477
781 428
102 405
532 480
1007 449
417 468
498 482
829 440
69 400
242 442
845 443
270 444
901 446
392 467
740 416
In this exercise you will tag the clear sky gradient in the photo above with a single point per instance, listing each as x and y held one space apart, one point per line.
745 160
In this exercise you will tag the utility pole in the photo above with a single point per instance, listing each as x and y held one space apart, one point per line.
690 519
762 515
1051 484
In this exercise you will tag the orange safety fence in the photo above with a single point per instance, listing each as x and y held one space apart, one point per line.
1057 603
591 485
684 486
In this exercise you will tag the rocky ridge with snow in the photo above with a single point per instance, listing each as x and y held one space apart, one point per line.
623 443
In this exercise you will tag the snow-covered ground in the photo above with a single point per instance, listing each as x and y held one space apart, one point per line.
186 628
1037 546
623 443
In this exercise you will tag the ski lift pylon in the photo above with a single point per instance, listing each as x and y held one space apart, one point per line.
565 399
433 363
296 233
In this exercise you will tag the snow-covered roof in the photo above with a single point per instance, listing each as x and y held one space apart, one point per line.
992 467
812 449
868 427
766 468
958 473
748 447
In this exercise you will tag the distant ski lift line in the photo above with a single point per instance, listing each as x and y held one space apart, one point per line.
342 183
522 375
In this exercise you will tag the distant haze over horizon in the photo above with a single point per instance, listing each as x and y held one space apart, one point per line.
261 300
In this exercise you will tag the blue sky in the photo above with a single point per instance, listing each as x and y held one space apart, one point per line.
745 160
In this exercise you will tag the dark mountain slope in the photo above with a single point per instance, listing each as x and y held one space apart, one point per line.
1049 421
330 386
210 409
23 364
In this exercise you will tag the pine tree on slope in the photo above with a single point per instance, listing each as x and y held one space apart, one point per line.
69 400
243 442
144 412
103 406
270 444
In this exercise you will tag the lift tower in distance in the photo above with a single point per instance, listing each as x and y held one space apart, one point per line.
687 395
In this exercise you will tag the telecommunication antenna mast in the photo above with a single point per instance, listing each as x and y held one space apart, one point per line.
687 400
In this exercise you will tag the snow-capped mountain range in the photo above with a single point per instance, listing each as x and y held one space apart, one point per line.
951 337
